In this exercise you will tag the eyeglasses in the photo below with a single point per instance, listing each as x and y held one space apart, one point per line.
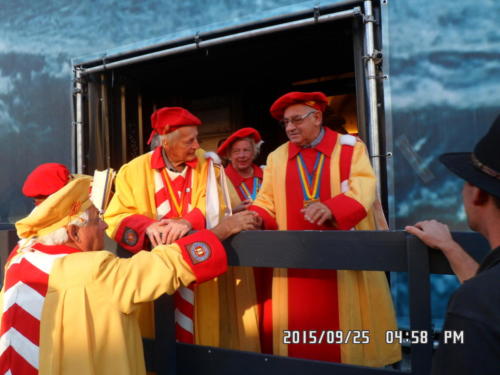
295 120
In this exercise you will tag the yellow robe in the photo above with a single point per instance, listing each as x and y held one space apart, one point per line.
364 297
89 318
226 323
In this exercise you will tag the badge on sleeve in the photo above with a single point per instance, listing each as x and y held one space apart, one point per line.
130 237
199 252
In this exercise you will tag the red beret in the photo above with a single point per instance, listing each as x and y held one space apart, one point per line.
239 134
167 119
45 180
317 100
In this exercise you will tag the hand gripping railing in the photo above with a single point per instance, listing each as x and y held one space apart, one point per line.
350 250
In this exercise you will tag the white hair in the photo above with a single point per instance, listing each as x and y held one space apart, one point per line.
60 236
255 146
160 138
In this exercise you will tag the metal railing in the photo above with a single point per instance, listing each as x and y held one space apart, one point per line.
349 250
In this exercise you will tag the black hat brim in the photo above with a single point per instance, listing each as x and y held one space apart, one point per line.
460 163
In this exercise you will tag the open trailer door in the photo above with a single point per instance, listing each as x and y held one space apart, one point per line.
230 77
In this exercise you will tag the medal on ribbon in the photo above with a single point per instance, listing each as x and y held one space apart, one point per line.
177 202
310 182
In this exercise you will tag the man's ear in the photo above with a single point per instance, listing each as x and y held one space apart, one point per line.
73 233
319 117
479 197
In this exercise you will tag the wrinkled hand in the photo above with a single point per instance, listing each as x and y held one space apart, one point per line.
242 206
433 233
157 232
175 229
317 213
246 220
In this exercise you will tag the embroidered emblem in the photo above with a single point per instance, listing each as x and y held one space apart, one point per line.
199 252
130 237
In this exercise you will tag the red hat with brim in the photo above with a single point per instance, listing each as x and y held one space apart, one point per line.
45 180
316 100
240 134
168 119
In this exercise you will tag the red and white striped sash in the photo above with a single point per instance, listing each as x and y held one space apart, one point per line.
25 288
184 297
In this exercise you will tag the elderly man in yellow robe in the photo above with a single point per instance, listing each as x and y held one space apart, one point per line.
322 180
162 195
69 308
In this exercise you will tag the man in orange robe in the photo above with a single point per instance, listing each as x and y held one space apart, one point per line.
322 180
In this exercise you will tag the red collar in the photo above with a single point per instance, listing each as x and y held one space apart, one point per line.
325 146
237 179
55 249
157 161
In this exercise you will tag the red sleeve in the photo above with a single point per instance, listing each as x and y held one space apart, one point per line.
205 255
131 234
346 211
196 219
269 221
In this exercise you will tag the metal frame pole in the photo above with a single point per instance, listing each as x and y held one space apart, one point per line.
197 44
371 82
78 92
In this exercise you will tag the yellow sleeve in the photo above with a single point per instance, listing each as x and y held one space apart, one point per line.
147 275
349 208
264 204
130 212
362 181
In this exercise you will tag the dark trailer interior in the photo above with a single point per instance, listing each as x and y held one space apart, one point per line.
228 78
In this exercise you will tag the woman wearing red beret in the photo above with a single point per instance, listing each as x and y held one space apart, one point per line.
241 148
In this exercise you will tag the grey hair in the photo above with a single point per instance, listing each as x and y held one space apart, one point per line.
60 236
255 146
160 138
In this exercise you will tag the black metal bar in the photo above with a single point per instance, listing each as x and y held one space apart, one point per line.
193 359
420 307
164 346
354 250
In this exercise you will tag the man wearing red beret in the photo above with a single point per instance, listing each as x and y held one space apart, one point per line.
160 196
322 180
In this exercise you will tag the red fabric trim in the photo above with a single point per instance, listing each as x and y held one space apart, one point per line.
157 161
56 249
263 288
215 265
138 223
182 335
313 299
11 360
347 211
345 162
29 274
325 146
237 179
269 223
22 321
196 218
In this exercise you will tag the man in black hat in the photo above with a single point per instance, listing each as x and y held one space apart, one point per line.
475 306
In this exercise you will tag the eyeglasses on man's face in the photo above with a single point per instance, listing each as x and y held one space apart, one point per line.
296 120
